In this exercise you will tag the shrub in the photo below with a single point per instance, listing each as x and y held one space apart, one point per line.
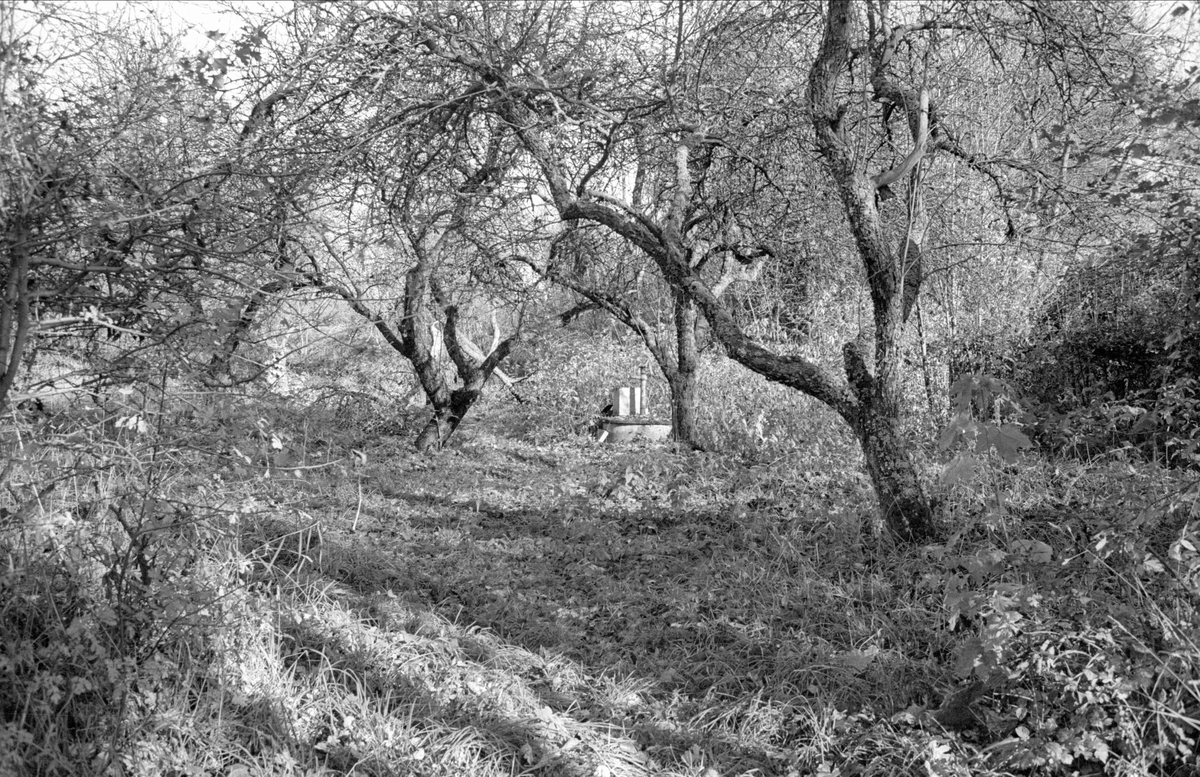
1081 626
111 579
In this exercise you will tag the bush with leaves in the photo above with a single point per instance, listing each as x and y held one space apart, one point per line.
111 578
1052 688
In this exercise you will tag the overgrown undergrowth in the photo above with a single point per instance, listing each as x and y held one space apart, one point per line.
265 598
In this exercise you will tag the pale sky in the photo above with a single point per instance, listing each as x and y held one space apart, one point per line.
196 17
1183 25
221 15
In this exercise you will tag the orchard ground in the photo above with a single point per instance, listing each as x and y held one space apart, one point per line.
316 600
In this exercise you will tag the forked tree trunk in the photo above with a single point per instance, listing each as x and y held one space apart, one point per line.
450 407
446 419
893 273
413 339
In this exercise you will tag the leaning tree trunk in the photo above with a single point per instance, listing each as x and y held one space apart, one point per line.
902 499
417 345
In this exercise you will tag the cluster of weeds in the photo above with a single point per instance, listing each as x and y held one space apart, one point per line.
115 556
1074 588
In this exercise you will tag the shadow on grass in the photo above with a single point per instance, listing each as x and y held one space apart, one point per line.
457 687
715 616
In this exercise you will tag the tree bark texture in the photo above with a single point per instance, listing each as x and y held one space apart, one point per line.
892 275
683 379
15 321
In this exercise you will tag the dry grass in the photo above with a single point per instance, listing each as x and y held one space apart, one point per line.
510 607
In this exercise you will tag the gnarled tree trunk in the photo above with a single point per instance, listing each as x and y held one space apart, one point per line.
893 274
450 407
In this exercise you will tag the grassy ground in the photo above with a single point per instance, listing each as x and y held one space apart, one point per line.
591 608
555 607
